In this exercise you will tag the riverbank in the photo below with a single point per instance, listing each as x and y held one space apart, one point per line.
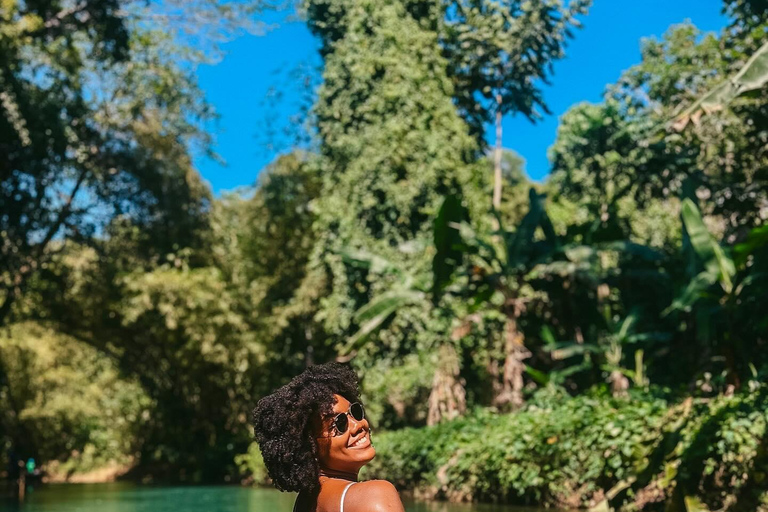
57 473
639 453
643 452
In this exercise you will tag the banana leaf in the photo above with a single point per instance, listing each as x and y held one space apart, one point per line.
520 243
696 287
371 316
709 252
752 77
447 240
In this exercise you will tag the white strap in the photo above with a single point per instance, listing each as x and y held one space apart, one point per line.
343 494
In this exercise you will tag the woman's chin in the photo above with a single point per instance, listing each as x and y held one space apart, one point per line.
364 454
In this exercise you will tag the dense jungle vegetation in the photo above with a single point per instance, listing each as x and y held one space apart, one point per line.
597 340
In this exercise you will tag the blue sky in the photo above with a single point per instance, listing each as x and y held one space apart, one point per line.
238 86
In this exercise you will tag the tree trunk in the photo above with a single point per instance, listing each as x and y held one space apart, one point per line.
497 177
619 384
511 395
448 398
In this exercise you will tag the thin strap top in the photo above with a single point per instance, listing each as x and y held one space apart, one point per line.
343 494
341 505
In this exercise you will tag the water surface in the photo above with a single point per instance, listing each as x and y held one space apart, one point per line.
124 497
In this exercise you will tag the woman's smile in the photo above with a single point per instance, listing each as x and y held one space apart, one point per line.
362 441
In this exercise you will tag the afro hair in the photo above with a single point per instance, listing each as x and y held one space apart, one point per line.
282 423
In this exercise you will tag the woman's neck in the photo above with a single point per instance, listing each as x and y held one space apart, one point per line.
342 475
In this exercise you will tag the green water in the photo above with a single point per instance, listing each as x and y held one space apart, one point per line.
121 497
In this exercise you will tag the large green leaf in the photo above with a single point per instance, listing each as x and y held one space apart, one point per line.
753 76
371 316
520 245
539 377
447 241
523 236
709 252
695 288
756 240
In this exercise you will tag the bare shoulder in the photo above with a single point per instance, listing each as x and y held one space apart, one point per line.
373 496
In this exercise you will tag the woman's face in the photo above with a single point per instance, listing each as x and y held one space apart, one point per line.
348 451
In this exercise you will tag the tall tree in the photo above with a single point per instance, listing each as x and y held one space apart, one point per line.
391 143
500 52
263 241
98 105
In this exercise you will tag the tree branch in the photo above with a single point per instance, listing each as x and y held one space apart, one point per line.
25 270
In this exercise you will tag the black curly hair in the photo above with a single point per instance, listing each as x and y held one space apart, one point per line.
282 423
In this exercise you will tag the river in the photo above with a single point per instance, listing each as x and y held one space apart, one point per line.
124 497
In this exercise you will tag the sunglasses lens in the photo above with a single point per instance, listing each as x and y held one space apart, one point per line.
357 411
342 422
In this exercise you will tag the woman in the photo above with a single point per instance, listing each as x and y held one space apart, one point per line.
314 438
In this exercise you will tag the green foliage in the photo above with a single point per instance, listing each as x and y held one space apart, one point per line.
392 144
63 400
566 452
394 392
195 357
103 136
752 77
263 240
500 51
641 262
391 138
251 464
542 454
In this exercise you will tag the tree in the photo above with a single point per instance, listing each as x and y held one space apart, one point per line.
391 144
499 54
99 107
723 153
621 166
719 293
100 116
604 166
180 332
65 400
496 276
751 78
263 241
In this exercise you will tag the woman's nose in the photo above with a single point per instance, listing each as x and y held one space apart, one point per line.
355 426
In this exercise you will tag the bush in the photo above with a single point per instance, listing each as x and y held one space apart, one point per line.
589 450
251 465
68 399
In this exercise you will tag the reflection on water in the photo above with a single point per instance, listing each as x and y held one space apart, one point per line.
122 497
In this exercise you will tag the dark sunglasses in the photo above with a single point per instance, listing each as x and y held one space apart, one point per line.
341 421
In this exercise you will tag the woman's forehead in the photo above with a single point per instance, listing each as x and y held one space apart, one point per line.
340 404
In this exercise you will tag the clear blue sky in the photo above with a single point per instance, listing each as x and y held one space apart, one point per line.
237 86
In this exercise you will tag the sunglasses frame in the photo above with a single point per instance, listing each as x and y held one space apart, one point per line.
334 422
